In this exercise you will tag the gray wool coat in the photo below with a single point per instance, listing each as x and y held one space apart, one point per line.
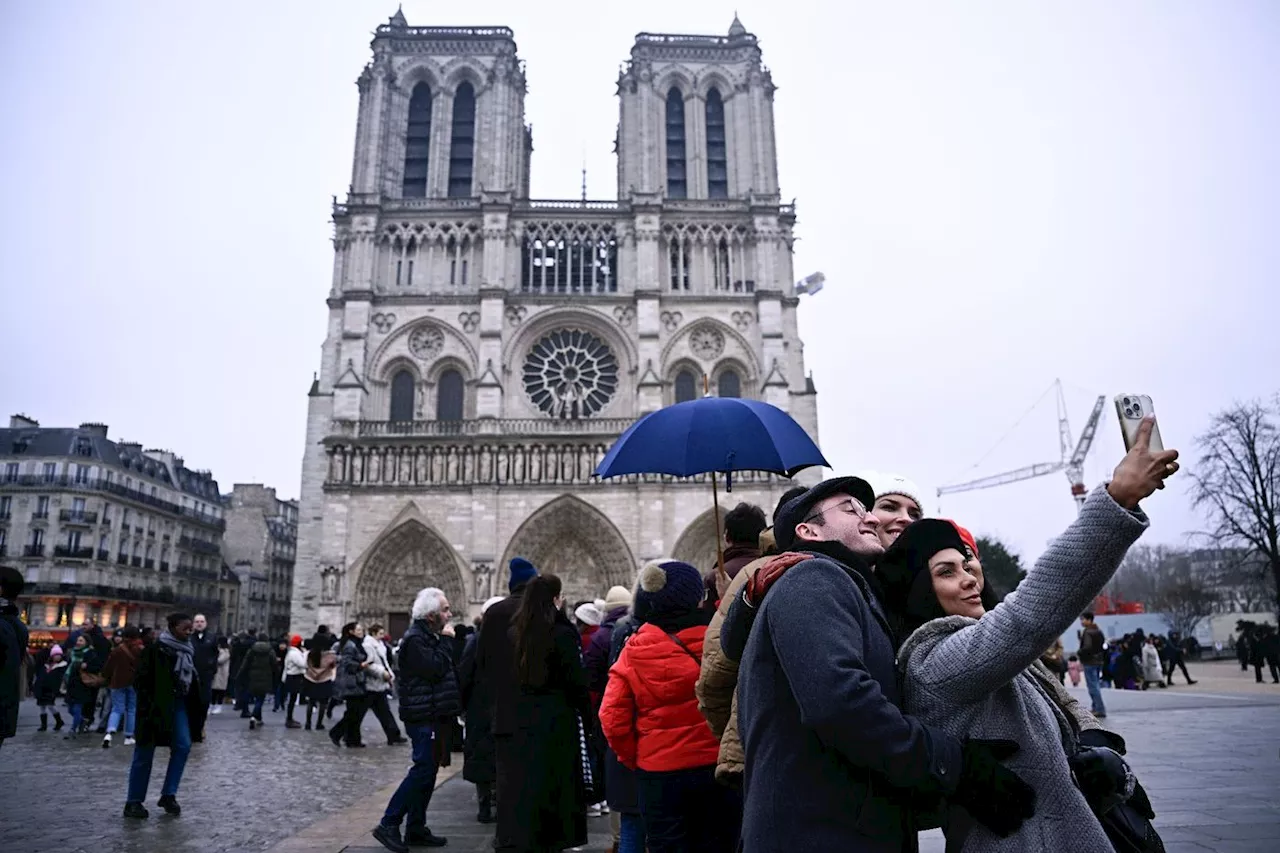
977 678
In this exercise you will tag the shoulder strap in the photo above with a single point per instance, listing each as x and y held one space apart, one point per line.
685 648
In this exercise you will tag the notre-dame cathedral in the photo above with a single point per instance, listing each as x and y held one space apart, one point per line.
484 348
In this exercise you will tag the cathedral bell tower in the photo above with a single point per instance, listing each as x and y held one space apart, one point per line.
697 118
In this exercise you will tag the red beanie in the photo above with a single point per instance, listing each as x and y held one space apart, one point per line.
295 641
968 539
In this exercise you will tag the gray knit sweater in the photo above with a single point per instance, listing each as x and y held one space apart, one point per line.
972 677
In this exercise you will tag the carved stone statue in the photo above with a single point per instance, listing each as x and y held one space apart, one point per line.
329 585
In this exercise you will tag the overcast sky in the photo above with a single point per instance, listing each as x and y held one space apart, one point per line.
999 194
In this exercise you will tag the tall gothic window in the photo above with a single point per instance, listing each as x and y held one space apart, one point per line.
686 386
717 151
402 397
462 145
677 186
729 385
449 396
417 142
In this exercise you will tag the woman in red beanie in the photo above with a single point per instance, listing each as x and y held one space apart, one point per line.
295 667
650 718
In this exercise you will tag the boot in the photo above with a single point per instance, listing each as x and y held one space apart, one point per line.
44 723
291 723
57 721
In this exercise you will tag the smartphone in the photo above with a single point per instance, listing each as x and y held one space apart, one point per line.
1132 408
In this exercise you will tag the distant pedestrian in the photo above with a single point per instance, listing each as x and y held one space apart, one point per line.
221 676
13 651
350 686
378 682
206 646
295 667
169 711
257 672
83 678
322 667
1092 652
49 688
120 671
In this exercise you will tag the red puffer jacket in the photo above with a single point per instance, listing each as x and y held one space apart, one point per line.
650 714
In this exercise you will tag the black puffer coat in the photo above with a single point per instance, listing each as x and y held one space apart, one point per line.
13 649
428 684
257 670
349 683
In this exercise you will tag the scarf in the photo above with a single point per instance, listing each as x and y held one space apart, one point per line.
184 667
73 663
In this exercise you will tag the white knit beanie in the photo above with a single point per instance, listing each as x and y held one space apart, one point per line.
893 484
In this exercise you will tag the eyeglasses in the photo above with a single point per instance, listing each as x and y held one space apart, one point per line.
851 506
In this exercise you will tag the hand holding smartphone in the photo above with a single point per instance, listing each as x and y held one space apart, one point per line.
1132 408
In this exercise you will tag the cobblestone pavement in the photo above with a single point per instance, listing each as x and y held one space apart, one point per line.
242 791
1210 759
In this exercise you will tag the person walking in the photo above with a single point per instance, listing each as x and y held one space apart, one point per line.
221 675
49 688
350 687
83 678
295 667
169 711
322 665
206 646
120 672
13 651
257 672
378 681
428 695
1092 652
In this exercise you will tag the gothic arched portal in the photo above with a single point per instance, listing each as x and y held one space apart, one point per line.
573 540
402 561
697 544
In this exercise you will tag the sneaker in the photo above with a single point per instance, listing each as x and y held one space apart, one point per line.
292 724
604 807
170 804
593 810
253 724
389 837
106 742
136 810
129 741
424 838
217 709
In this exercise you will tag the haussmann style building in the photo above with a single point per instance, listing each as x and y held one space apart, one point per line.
484 349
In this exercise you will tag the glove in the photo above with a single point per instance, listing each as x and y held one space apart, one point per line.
767 575
995 795
1102 737
1103 776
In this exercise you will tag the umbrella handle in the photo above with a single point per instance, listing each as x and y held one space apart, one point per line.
715 503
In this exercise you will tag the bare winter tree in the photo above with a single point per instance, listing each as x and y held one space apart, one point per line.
1237 481
1185 603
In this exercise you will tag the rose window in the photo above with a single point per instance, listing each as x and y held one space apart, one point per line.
426 341
570 374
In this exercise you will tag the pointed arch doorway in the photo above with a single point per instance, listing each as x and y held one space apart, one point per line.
573 540
408 556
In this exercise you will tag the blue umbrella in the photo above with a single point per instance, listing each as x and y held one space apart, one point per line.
709 435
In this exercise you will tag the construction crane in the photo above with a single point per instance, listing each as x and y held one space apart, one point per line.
1071 461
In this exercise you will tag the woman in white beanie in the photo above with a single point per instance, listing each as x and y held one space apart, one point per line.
899 502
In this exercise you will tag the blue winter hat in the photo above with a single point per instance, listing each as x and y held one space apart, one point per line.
669 587
522 571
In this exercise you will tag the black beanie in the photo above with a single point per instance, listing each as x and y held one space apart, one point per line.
904 576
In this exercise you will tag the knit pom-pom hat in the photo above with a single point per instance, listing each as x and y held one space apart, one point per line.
669 587
522 571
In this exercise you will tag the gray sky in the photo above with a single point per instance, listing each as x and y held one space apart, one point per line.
999 194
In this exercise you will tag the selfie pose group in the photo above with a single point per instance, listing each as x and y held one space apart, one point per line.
869 683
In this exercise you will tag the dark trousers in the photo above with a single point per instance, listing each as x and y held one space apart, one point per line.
414 794
687 811
378 705
348 728
1271 664
1179 663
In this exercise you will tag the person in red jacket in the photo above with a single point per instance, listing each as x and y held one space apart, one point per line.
650 718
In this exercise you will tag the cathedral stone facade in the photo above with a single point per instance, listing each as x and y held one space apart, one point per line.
484 349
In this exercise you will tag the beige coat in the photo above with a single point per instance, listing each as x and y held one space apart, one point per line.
717 687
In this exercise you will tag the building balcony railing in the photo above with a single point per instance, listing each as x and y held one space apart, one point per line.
73 553
480 427
148 563
136 562
33 551
103 554
100 486
200 546
122 559
5 514
71 516
164 567
40 515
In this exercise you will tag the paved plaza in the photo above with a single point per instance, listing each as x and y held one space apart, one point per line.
1208 755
